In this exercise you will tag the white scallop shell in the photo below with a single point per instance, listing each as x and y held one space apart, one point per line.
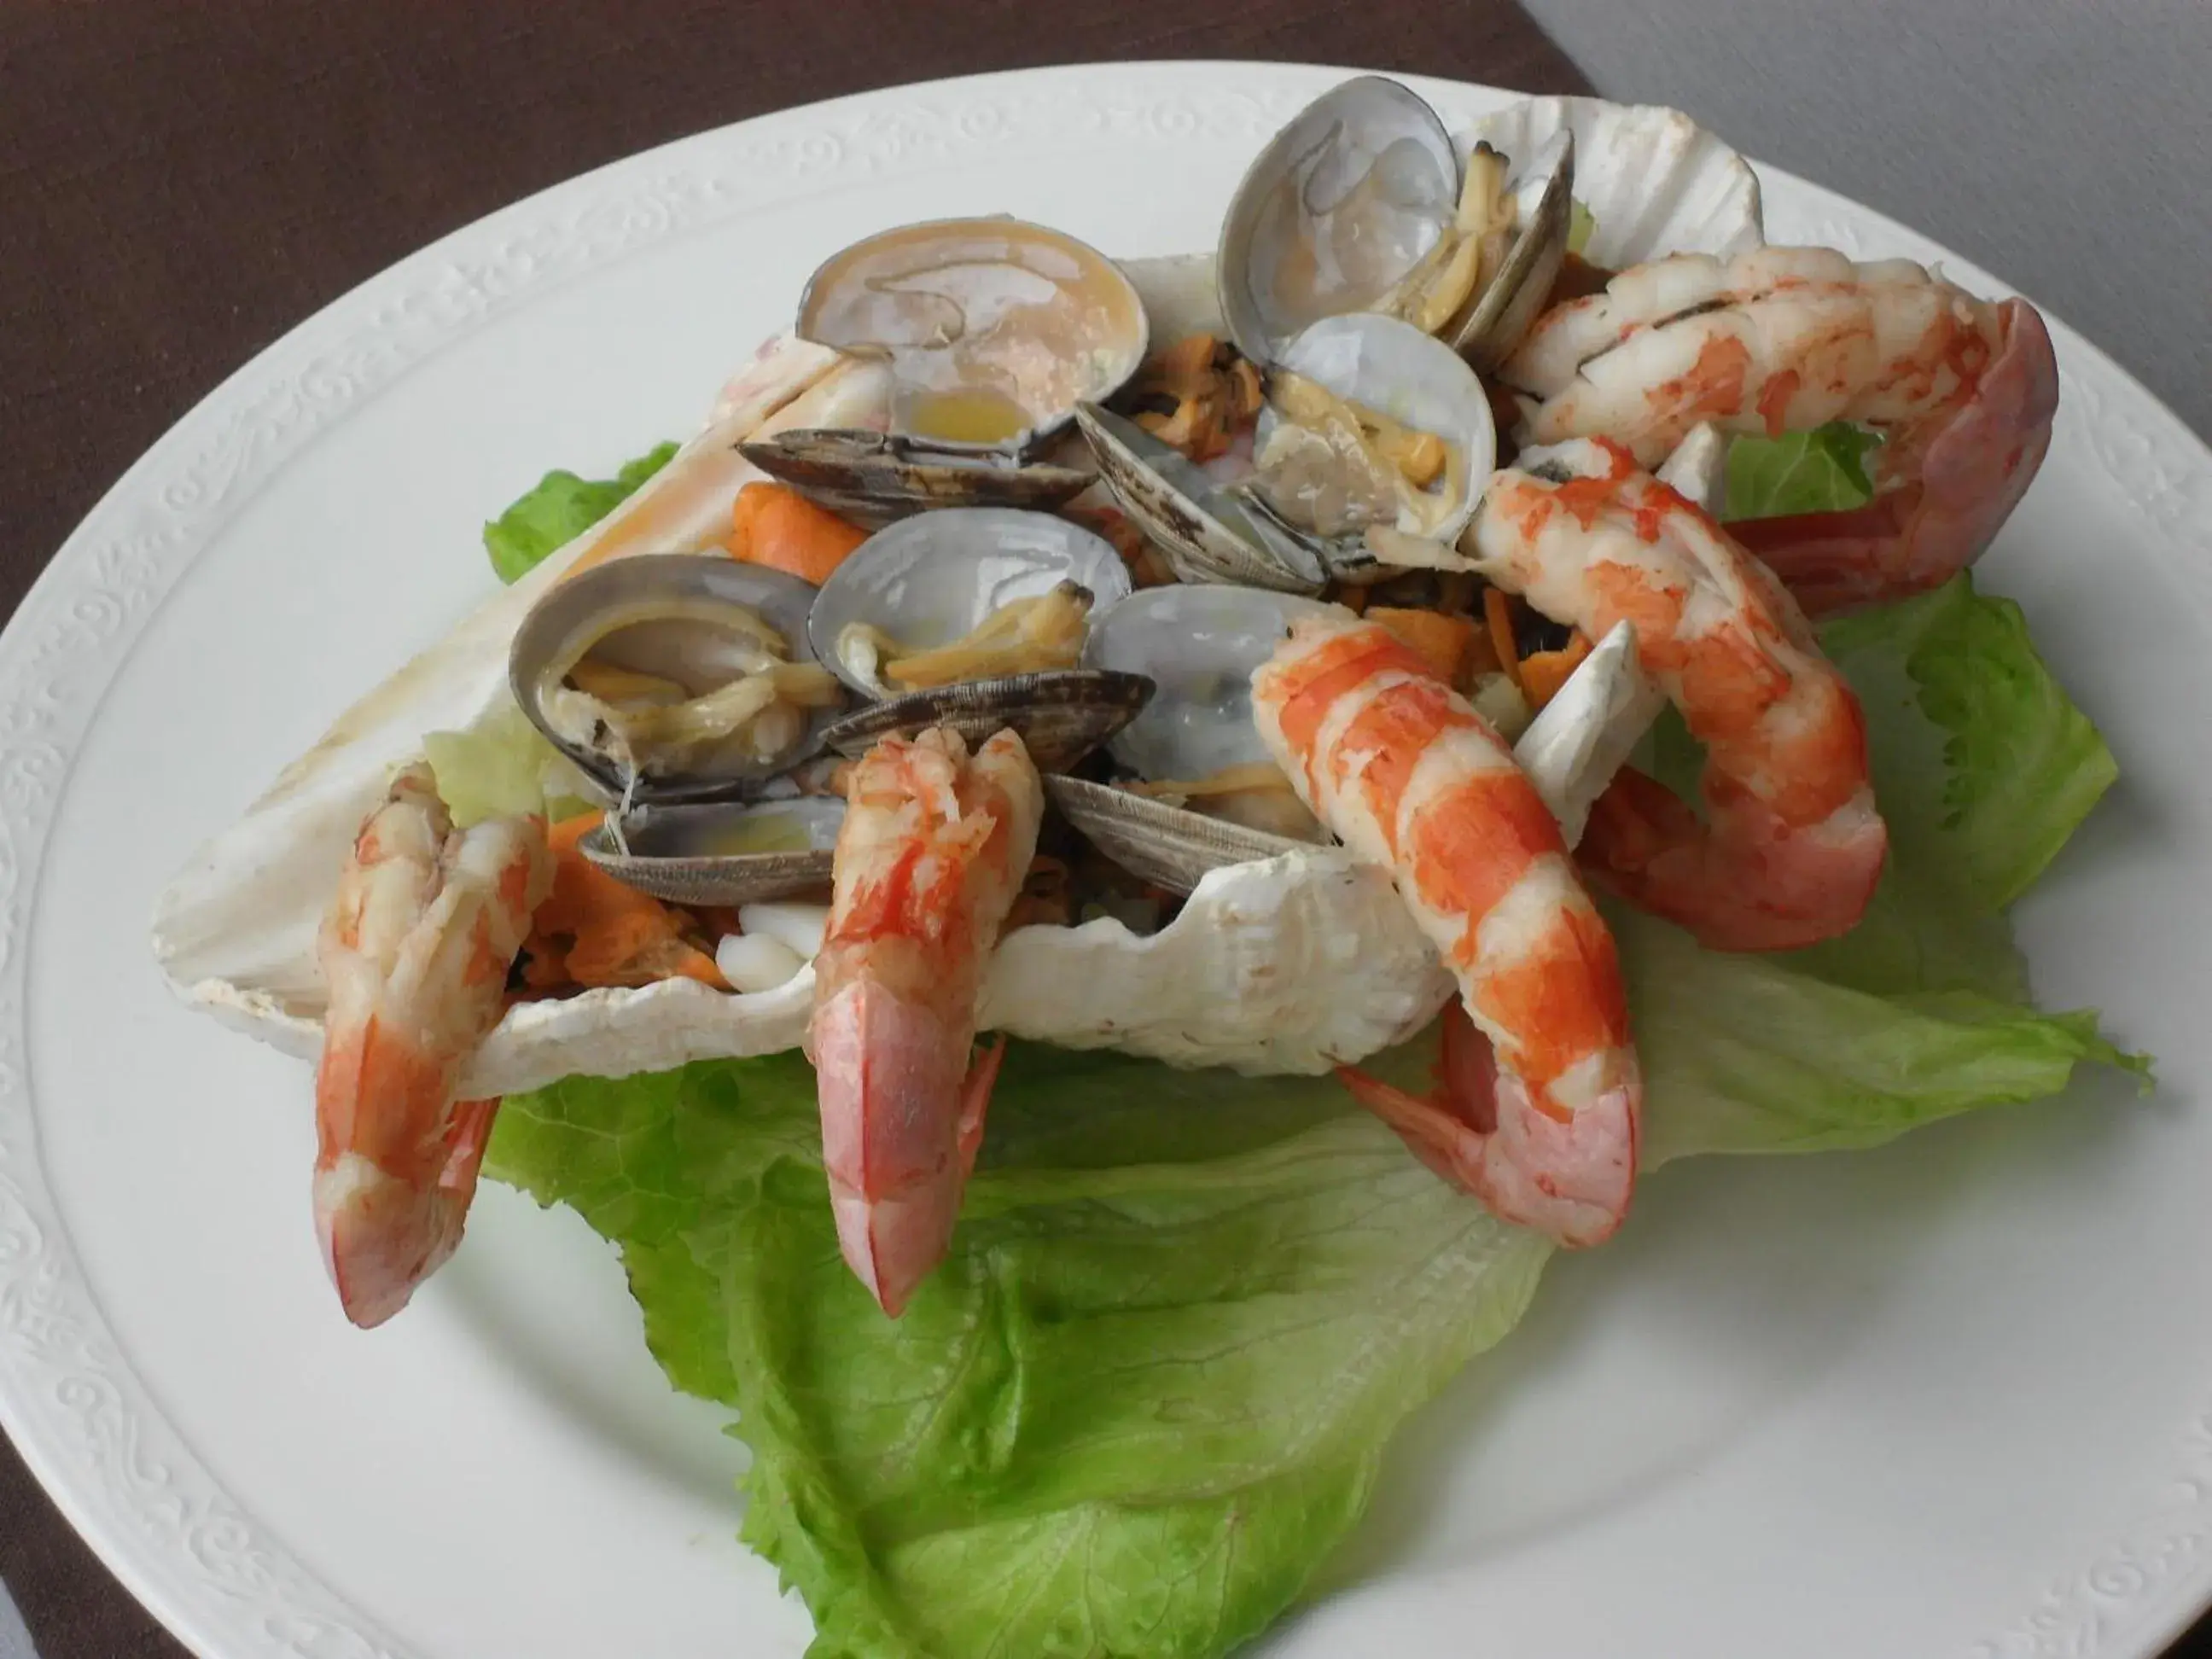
1654 180
1293 964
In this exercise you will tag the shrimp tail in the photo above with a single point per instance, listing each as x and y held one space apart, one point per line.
384 1234
1568 1178
1745 881
902 1111
1952 489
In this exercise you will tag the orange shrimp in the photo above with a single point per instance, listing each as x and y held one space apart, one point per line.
1791 845
415 952
934 851
1539 1110
1783 339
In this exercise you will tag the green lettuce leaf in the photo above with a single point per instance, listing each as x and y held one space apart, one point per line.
1823 470
561 507
503 765
1146 1396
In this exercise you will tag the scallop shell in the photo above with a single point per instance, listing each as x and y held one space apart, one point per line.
1654 181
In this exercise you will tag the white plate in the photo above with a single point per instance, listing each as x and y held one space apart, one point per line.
1951 1398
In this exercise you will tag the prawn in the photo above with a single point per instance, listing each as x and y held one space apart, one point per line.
932 856
1791 845
415 951
1541 1103
1783 339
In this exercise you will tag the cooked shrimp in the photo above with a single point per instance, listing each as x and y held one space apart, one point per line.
1792 844
415 952
1540 1120
931 858
1784 339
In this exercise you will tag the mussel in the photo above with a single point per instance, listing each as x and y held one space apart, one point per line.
977 618
992 331
674 677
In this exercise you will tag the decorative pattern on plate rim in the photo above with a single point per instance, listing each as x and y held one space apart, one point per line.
78 1413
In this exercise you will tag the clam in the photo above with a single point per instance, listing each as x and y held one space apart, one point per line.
975 618
992 330
1373 446
1194 743
1363 204
873 478
674 676
1200 525
722 852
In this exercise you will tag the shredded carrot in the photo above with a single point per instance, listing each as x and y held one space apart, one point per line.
1445 643
1353 599
1543 672
1497 616
773 526
602 932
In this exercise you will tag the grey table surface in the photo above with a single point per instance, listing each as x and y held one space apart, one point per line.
2065 144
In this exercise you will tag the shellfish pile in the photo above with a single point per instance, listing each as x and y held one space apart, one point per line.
1086 499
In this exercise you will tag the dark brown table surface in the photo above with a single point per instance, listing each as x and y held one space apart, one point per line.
180 183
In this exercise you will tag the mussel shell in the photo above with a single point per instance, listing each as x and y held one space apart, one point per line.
930 580
664 860
1203 531
874 478
856 302
1508 307
1060 716
1167 846
552 625
1327 149
1200 646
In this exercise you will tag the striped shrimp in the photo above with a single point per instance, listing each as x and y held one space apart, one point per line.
1784 339
1538 1109
1791 845
932 855
415 951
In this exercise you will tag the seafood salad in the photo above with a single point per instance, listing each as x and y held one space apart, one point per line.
1152 825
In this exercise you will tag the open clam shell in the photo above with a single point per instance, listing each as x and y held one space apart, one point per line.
1059 716
722 853
874 478
994 328
1507 306
1652 181
1394 369
1201 528
679 618
1168 846
929 580
1336 211
1200 646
